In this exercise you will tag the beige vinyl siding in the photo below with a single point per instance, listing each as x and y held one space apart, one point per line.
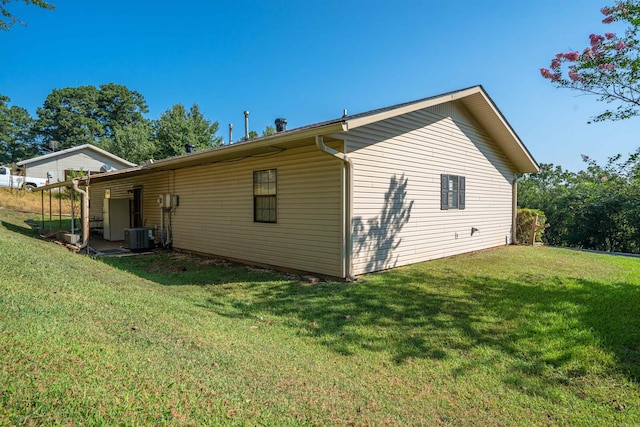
215 214
152 186
398 162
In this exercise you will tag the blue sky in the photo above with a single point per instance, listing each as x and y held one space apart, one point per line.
307 60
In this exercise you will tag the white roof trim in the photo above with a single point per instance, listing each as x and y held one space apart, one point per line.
77 148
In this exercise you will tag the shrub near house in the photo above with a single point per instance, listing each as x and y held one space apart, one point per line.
525 222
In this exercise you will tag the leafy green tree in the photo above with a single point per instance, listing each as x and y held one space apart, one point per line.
16 139
177 127
9 19
608 206
87 115
119 107
548 191
596 208
69 116
269 130
608 68
134 142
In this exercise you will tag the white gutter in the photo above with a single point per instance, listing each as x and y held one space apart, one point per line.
347 244
85 213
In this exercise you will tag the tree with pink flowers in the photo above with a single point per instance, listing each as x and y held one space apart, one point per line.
609 67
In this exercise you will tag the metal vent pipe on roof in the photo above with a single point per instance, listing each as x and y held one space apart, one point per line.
230 133
281 124
246 125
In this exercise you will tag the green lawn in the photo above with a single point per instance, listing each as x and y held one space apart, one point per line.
516 335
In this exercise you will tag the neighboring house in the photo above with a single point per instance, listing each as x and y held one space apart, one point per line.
58 165
399 185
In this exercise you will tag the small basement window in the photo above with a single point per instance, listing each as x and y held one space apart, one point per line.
265 196
452 192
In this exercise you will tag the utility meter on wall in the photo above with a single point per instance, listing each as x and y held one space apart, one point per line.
168 200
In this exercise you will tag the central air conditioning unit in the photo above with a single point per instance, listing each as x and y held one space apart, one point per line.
138 238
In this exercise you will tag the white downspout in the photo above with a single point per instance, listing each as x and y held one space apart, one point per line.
347 245
85 213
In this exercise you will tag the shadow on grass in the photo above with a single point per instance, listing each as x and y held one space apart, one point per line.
24 230
175 269
541 328
49 226
593 314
